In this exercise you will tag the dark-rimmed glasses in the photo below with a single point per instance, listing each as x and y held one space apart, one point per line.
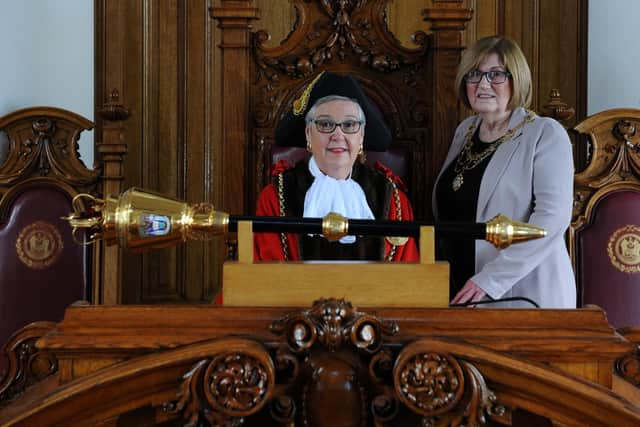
496 77
328 126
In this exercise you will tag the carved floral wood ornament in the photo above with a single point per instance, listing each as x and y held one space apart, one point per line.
615 145
614 138
27 365
628 366
332 357
231 385
343 32
44 142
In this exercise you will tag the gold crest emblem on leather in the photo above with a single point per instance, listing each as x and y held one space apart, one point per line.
624 249
39 245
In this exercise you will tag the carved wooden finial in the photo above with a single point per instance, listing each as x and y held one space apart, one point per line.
114 96
112 109
332 323
556 108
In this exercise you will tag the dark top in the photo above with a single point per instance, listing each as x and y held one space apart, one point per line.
460 205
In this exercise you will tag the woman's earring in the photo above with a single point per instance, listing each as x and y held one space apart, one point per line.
361 154
308 146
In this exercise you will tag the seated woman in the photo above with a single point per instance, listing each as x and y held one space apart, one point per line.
337 121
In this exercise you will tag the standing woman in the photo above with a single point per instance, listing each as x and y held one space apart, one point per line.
506 159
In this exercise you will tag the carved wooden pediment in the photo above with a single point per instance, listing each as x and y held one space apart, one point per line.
344 36
331 32
614 138
44 142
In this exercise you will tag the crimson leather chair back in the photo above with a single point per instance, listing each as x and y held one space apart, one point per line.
42 268
604 237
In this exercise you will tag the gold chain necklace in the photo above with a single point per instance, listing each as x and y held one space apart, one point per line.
468 160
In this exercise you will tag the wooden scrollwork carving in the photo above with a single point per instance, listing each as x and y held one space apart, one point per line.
444 390
330 357
27 365
328 33
628 368
342 30
369 381
626 164
227 387
44 142
615 154
332 323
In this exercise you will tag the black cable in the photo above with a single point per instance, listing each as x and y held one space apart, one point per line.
491 301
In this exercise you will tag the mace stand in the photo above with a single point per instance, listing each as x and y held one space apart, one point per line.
363 283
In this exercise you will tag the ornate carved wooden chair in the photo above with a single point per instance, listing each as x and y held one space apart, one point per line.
42 269
604 237
411 86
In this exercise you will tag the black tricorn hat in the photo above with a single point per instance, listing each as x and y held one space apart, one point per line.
290 130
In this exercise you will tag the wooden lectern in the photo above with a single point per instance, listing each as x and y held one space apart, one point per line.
249 283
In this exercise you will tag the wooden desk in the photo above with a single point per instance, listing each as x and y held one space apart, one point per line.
326 365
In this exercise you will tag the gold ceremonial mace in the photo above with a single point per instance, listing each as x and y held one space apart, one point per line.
139 220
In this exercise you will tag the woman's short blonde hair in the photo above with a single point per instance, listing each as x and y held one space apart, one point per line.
511 57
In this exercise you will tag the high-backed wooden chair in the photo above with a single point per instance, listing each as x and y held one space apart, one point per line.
413 87
604 237
42 268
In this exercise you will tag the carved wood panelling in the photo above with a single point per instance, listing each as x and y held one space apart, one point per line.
327 365
159 57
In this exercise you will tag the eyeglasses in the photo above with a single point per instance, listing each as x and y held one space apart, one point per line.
496 77
328 126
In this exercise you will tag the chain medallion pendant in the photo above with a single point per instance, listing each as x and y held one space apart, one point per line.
457 182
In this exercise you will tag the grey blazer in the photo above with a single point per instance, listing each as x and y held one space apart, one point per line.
529 179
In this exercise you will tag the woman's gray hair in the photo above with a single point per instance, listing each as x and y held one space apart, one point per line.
311 114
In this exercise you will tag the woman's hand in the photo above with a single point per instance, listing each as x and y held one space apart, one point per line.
469 292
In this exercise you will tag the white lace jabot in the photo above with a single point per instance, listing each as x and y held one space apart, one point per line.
343 196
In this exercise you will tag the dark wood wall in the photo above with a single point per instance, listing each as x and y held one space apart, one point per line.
160 104
160 56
